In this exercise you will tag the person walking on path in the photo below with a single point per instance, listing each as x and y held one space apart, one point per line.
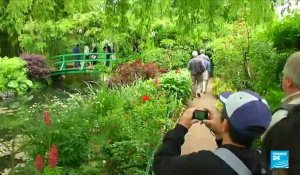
202 54
95 53
205 73
210 56
196 67
76 51
107 49
291 87
246 115
86 52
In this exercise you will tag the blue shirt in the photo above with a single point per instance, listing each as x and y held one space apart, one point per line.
76 50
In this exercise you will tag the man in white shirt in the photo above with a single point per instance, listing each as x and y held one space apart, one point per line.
206 63
86 52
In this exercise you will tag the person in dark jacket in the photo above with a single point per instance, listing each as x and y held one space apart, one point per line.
107 49
284 136
196 67
245 116
76 51
95 53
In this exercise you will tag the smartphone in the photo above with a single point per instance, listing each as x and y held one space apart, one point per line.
200 115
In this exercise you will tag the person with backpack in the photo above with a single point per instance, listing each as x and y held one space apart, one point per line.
196 67
284 136
246 115
205 57
291 87
210 56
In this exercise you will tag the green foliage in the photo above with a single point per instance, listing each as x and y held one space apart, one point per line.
58 37
249 56
178 83
168 58
274 97
15 15
105 130
123 22
286 34
232 55
13 75
266 66
220 86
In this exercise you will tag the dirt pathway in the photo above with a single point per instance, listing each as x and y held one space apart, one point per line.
199 137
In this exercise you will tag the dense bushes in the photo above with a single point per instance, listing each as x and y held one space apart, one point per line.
178 83
249 60
285 34
127 73
37 67
13 75
220 86
110 131
167 58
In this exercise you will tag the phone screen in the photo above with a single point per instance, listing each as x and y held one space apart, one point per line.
200 115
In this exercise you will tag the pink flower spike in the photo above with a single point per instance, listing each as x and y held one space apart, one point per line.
53 156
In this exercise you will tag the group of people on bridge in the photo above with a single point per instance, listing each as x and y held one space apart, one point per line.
92 53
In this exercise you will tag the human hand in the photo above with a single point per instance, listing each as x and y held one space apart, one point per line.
186 119
214 122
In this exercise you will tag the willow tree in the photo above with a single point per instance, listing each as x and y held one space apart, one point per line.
15 14
189 14
130 19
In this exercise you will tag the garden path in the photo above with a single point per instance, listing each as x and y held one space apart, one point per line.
199 136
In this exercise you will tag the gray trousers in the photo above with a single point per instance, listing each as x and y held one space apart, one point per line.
197 80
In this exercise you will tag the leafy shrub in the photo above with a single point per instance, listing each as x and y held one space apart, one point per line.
13 75
37 67
65 132
105 131
167 58
220 86
177 83
285 34
231 56
248 60
274 97
129 72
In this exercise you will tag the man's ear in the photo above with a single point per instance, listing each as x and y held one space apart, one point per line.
225 126
289 82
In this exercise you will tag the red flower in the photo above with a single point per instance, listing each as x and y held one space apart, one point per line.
39 163
53 156
146 98
47 118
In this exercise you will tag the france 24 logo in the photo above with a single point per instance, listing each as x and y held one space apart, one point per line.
280 159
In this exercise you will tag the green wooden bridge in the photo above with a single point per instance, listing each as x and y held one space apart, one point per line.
79 63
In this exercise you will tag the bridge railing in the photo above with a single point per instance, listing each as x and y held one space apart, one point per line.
68 61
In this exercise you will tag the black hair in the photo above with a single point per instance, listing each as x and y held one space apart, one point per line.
285 135
240 138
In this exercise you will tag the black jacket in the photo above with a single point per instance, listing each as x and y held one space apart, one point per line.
167 160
